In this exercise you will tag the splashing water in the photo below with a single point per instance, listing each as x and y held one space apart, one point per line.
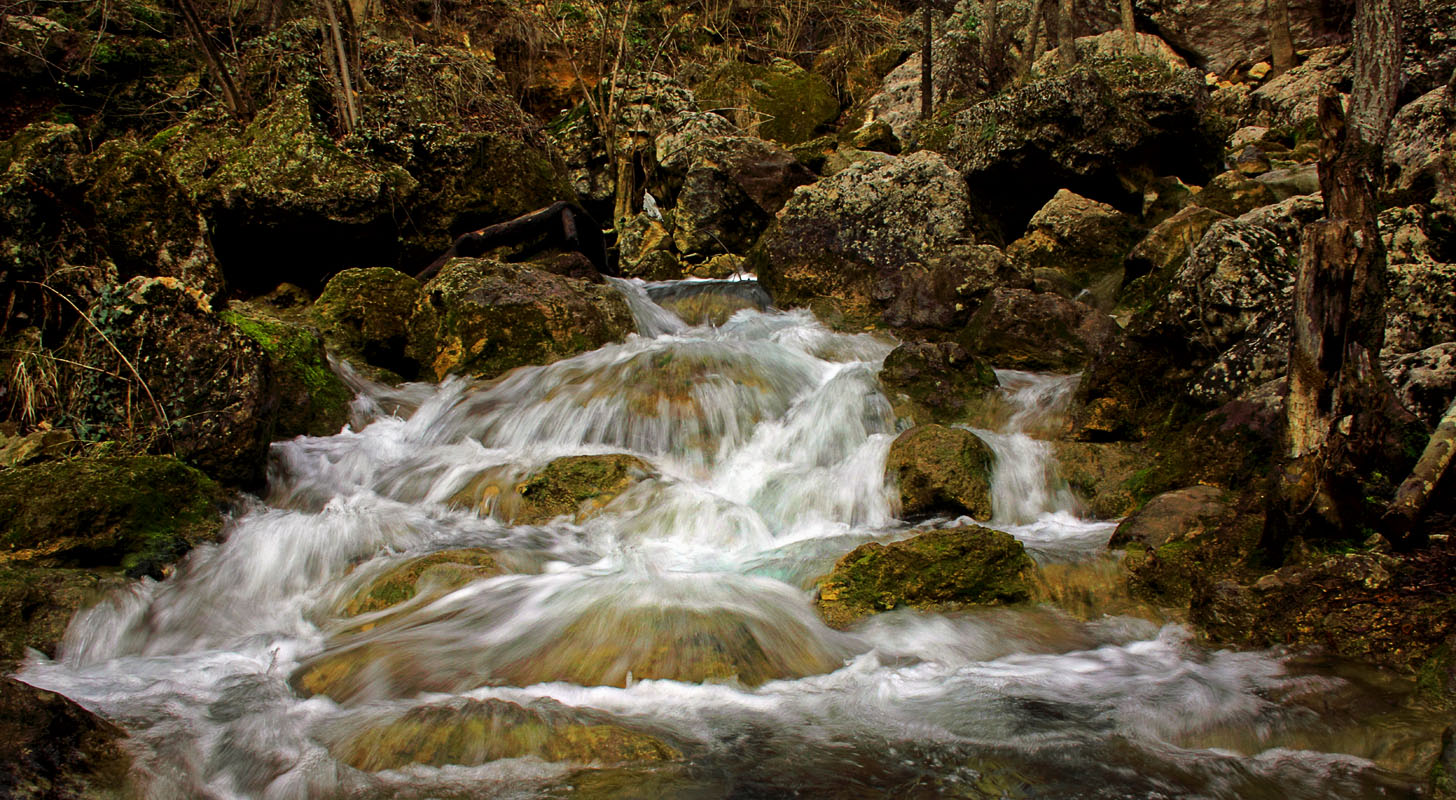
680 609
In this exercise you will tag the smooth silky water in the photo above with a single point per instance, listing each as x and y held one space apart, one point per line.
767 437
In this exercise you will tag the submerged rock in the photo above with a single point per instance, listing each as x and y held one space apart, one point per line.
577 486
482 318
477 731
934 570
138 513
941 470
53 748
426 576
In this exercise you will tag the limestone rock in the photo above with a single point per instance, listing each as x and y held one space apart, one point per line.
1082 238
1292 99
941 470
1286 219
932 570
426 576
1234 193
577 485
730 191
312 401
481 318
1174 516
1021 329
1425 381
941 296
1420 149
1238 278
779 100
1287 182
935 382
1166 247
1102 474
1419 234
364 316
1419 311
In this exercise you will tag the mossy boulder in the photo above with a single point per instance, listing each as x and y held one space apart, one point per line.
729 192
481 318
53 748
364 316
37 603
160 370
578 485
780 100
138 513
312 401
431 575
1083 239
934 570
478 731
941 470
936 382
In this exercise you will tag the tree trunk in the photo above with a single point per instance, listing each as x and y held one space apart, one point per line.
990 49
927 83
1031 42
336 46
1129 26
1066 37
1340 404
235 98
1281 44
1415 492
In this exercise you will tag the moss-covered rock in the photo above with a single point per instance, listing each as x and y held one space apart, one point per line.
579 486
139 513
934 570
37 603
53 748
936 382
479 731
483 318
364 315
431 575
779 100
1104 475
312 401
1234 193
941 470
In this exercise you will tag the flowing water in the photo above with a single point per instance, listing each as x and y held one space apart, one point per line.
252 671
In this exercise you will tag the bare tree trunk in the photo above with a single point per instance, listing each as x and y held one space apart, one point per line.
1031 42
1281 44
990 49
927 83
343 67
1415 492
1129 26
1340 404
235 98
1066 37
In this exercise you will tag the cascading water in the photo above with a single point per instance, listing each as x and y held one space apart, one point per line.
252 673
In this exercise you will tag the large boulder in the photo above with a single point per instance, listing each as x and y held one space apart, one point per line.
1165 248
934 570
312 400
1234 193
574 486
138 513
941 470
1080 238
780 100
158 368
731 188
364 317
936 382
481 318
1425 381
1097 130
1420 148
1291 100
1419 311
1224 35
53 748
1178 515
840 239
1021 329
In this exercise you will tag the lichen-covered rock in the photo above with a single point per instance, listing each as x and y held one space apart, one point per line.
479 731
1180 515
1420 149
1159 255
1425 381
779 100
940 470
364 315
312 401
1287 182
201 389
935 382
730 191
482 318
1021 329
425 576
139 513
1419 311
1112 44
1221 35
1286 219
838 239
53 748
1084 239
1292 99
934 570
1234 193
941 296
1419 234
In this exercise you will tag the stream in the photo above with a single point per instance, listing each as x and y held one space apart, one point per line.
765 441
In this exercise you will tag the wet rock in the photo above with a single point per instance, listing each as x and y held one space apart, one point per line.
1084 239
940 470
481 318
426 576
53 748
201 389
364 316
1425 381
1292 99
710 302
1103 475
578 485
312 401
934 570
779 100
1166 247
1420 147
643 236
1180 515
1021 329
37 604
1234 193
138 513
479 731
935 382
839 239
1221 36
1419 309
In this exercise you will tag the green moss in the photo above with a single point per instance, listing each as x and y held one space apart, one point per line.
441 571
568 484
314 401
787 103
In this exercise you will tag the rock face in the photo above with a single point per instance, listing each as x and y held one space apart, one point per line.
779 100
139 513
1083 239
482 318
364 315
934 570
935 382
210 381
1021 329
941 470
53 748
1222 35
842 238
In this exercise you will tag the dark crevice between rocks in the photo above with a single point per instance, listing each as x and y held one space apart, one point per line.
256 255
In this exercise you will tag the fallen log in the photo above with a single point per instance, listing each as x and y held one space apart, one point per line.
1399 522
561 225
